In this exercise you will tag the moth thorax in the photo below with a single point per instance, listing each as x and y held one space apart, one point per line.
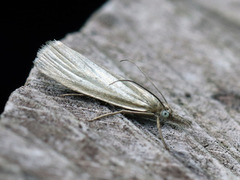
167 108
155 108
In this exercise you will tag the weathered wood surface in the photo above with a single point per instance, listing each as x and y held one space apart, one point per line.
191 51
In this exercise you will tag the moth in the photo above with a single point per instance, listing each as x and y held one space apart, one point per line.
81 75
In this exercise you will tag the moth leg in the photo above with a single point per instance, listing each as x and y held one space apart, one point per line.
160 133
118 112
72 94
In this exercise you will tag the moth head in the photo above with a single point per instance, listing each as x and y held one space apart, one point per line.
166 112
171 117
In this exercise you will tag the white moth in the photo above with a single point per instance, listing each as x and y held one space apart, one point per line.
78 73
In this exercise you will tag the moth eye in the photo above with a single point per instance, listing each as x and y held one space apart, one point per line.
164 113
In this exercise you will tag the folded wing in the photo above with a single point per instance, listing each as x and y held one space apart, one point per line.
78 73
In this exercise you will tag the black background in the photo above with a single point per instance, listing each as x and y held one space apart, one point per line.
25 27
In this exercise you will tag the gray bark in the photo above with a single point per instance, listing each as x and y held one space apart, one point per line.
190 49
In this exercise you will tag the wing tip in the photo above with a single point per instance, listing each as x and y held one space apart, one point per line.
46 48
48 45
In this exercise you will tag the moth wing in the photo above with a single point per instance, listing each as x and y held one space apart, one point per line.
78 73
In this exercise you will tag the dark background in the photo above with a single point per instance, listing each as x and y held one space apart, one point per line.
25 27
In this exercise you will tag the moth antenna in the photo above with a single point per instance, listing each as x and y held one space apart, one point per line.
120 80
159 92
